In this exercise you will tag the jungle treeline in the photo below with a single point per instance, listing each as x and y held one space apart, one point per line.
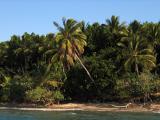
83 62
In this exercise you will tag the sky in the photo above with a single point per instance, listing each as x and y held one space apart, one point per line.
19 16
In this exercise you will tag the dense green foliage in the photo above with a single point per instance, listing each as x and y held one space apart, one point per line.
83 62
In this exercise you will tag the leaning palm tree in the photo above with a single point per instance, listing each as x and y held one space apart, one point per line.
139 53
70 41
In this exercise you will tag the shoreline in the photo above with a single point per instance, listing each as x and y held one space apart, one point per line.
102 107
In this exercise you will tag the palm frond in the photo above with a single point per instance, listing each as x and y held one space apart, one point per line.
58 26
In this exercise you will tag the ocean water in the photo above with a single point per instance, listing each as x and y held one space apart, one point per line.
75 115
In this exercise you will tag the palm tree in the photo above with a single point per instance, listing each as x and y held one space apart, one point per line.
115 27
139 53
135 26
115 30
154 35
70 43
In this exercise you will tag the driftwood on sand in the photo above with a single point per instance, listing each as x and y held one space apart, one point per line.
121 106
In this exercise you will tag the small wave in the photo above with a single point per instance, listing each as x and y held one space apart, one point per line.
156 111
74 113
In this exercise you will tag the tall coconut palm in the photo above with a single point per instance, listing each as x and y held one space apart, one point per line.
135 26
115 27
70 43
139 53
113 23
115 30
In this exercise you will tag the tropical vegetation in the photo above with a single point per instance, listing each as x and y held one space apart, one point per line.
113 61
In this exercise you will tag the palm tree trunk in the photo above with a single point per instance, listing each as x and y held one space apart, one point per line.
136 68
96 87
85 69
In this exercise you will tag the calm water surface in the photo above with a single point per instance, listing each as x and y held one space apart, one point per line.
75 115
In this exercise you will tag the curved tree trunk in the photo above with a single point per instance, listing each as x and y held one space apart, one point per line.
85 69
96 87
136 68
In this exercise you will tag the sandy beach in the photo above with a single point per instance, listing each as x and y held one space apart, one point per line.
87 107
